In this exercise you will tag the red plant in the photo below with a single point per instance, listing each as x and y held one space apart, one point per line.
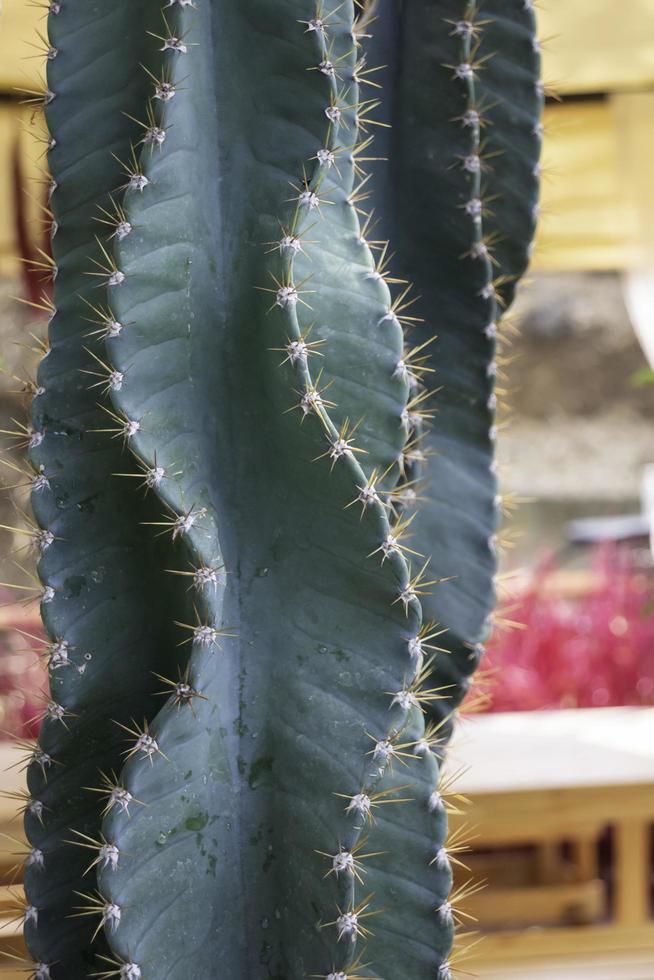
23 677
595 649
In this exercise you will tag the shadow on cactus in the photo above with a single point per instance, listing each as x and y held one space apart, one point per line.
266 547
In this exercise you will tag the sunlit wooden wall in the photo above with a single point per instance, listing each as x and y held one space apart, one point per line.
598 211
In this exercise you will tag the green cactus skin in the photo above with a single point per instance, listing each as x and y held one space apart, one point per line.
461 210
280 815
101 563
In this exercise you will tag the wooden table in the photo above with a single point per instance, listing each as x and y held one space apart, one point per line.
543 777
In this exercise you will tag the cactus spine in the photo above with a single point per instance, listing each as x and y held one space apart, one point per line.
247 704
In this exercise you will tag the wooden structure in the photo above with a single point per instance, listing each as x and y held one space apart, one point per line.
540 780
11 829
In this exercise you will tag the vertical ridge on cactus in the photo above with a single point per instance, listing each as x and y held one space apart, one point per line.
461 210
98 565
236 635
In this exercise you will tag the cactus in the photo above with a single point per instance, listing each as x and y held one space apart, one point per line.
238 771
470 157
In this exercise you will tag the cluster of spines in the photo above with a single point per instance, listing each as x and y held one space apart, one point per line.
28 436
467 70
468 33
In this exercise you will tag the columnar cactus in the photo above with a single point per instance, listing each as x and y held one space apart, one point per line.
240 477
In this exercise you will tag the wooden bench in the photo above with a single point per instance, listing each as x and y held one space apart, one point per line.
543 778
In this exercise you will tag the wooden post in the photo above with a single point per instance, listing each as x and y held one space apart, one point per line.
632 872
584 855
549 863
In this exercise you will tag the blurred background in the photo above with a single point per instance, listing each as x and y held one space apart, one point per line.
558 754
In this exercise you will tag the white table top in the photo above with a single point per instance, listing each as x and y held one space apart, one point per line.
520 751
